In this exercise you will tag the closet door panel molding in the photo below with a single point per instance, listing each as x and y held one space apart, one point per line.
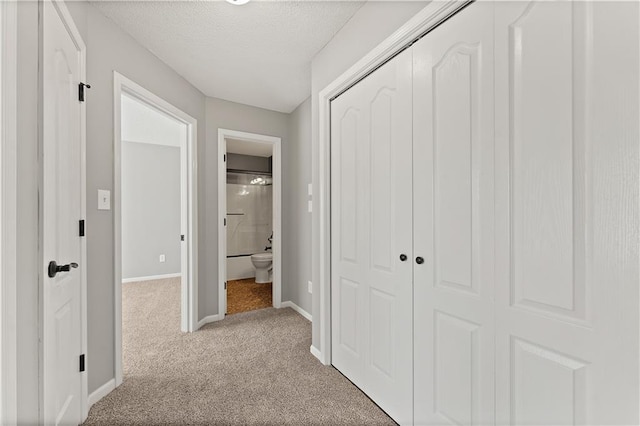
550 54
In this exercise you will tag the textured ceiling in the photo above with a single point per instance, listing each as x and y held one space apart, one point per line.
258 54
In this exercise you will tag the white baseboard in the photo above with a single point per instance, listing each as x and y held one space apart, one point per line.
315 352
207 320
298 309
101 392
150 278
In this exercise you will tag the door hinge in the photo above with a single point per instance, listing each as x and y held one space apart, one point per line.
225 285
81 228
182 237
81 363
225 221
224 157
81 89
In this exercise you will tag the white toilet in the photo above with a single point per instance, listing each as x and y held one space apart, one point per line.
263 263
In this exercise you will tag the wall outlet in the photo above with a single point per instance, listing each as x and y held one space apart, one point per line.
162 258
310 189
310 285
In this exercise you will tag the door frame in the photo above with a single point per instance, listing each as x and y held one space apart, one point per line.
276 244
423 22
189 208
8 218
70 25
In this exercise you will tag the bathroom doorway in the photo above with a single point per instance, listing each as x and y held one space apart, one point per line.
249 208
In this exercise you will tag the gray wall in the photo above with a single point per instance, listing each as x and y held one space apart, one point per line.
232 116
109 49
248 162
370 25
296 235
150 209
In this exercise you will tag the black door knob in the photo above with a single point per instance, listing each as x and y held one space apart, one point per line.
419 260
54 268
403 257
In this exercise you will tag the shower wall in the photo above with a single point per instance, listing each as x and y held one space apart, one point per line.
249 218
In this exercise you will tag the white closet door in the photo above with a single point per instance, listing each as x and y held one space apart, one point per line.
567 213
454 221
371 195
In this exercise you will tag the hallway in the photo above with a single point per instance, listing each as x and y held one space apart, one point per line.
251 368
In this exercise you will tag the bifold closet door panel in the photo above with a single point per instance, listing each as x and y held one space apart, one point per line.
371 216
454 221
567 204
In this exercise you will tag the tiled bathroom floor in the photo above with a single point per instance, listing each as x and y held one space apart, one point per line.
245 295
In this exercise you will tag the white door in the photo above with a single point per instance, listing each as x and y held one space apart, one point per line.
371 227
567 213
453 221
61 210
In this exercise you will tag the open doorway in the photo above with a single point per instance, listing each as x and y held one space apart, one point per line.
250 230
155 208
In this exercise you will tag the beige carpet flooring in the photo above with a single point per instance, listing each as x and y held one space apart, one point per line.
252 368
247 295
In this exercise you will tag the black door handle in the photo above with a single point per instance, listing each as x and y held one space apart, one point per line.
54 268
403 257
419 260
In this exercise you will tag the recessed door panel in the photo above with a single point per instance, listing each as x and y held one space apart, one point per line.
455 129
349 185
456 371
64 394
382 339
349 315
382 179
548 388
549 63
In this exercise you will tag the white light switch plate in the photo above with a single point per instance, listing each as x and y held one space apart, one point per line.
104 199
310 189
310 206
310 287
